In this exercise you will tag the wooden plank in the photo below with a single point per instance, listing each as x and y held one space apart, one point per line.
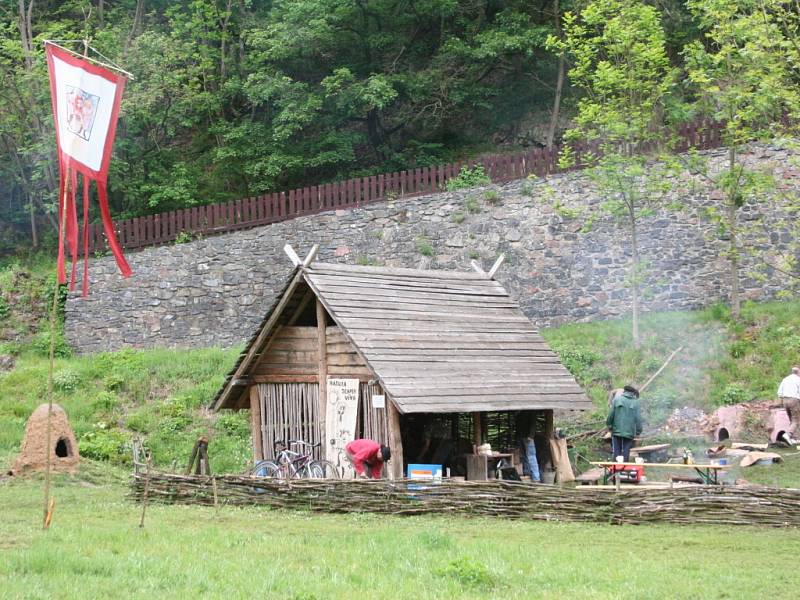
322 365
255 423
288 357
373 327
436 303
289 332
294 378
456 344
432 394
345 360
395 440
408 286
336 268
346 293
477 429
362 374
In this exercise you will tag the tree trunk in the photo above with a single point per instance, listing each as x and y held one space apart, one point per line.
137 20
562 67
635 281
34 234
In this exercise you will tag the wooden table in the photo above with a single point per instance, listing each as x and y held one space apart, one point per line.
708 473
478 467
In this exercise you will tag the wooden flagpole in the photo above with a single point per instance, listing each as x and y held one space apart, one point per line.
53 309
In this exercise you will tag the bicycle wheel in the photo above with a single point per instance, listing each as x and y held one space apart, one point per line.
323 469
266 468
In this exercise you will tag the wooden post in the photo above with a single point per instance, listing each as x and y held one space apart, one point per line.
395 469
255 424
322 350
549 430
477 433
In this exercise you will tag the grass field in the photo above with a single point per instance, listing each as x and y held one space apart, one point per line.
95 549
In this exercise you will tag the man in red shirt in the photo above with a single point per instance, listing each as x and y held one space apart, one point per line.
368 457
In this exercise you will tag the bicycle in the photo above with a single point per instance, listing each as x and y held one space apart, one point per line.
291 464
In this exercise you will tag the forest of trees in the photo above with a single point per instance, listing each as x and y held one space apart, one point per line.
239 97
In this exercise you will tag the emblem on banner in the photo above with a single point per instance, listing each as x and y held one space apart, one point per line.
81 111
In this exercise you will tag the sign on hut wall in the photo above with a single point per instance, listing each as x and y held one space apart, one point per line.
340 421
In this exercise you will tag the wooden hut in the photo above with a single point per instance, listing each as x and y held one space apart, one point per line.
400 343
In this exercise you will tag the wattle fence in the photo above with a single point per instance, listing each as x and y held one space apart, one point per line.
152 230
692 505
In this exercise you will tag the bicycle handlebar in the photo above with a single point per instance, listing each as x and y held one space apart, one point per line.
302 443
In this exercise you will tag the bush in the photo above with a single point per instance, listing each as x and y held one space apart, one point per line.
458 217
492 197
468 573
104 402
234 424
526 189
110 445
472 206
468 178
734 393
66 381
4 308
41 345
424 246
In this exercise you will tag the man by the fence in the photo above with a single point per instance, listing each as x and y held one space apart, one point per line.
368 457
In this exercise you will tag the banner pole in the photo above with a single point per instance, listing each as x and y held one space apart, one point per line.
53 310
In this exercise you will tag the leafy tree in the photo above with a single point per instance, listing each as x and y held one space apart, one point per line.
617 48
742 79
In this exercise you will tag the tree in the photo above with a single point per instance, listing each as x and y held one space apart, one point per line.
742 79
617 48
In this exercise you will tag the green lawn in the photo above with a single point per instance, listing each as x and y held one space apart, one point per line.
95 549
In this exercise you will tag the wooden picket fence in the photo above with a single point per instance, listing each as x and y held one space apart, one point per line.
212 219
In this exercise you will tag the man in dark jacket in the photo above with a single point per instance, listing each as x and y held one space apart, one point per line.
624 421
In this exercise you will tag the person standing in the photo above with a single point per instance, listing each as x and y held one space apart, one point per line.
624 421
368 457
789 393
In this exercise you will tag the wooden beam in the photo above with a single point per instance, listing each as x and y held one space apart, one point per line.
255 423
292 255
312 254
496 265
477 267
549 431
477 434
395 467
322 350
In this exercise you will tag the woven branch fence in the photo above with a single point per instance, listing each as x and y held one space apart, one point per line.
719 505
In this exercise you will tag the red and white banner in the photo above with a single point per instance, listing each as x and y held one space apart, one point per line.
86 99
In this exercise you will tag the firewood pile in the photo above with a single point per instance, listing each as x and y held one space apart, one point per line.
721 505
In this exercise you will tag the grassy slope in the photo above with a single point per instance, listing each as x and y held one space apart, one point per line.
95 549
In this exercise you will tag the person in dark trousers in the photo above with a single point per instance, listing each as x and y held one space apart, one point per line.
624 421
368 457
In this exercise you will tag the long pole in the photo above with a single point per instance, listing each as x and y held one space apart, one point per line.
53 309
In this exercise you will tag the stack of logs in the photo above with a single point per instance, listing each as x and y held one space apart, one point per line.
721 505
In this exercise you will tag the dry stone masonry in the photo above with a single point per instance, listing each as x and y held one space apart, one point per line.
214 291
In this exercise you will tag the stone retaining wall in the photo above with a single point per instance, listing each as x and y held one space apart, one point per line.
215 291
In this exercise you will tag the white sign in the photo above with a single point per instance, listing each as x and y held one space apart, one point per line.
340 422
379 401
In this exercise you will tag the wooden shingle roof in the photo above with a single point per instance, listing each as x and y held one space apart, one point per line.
443 341
439 341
